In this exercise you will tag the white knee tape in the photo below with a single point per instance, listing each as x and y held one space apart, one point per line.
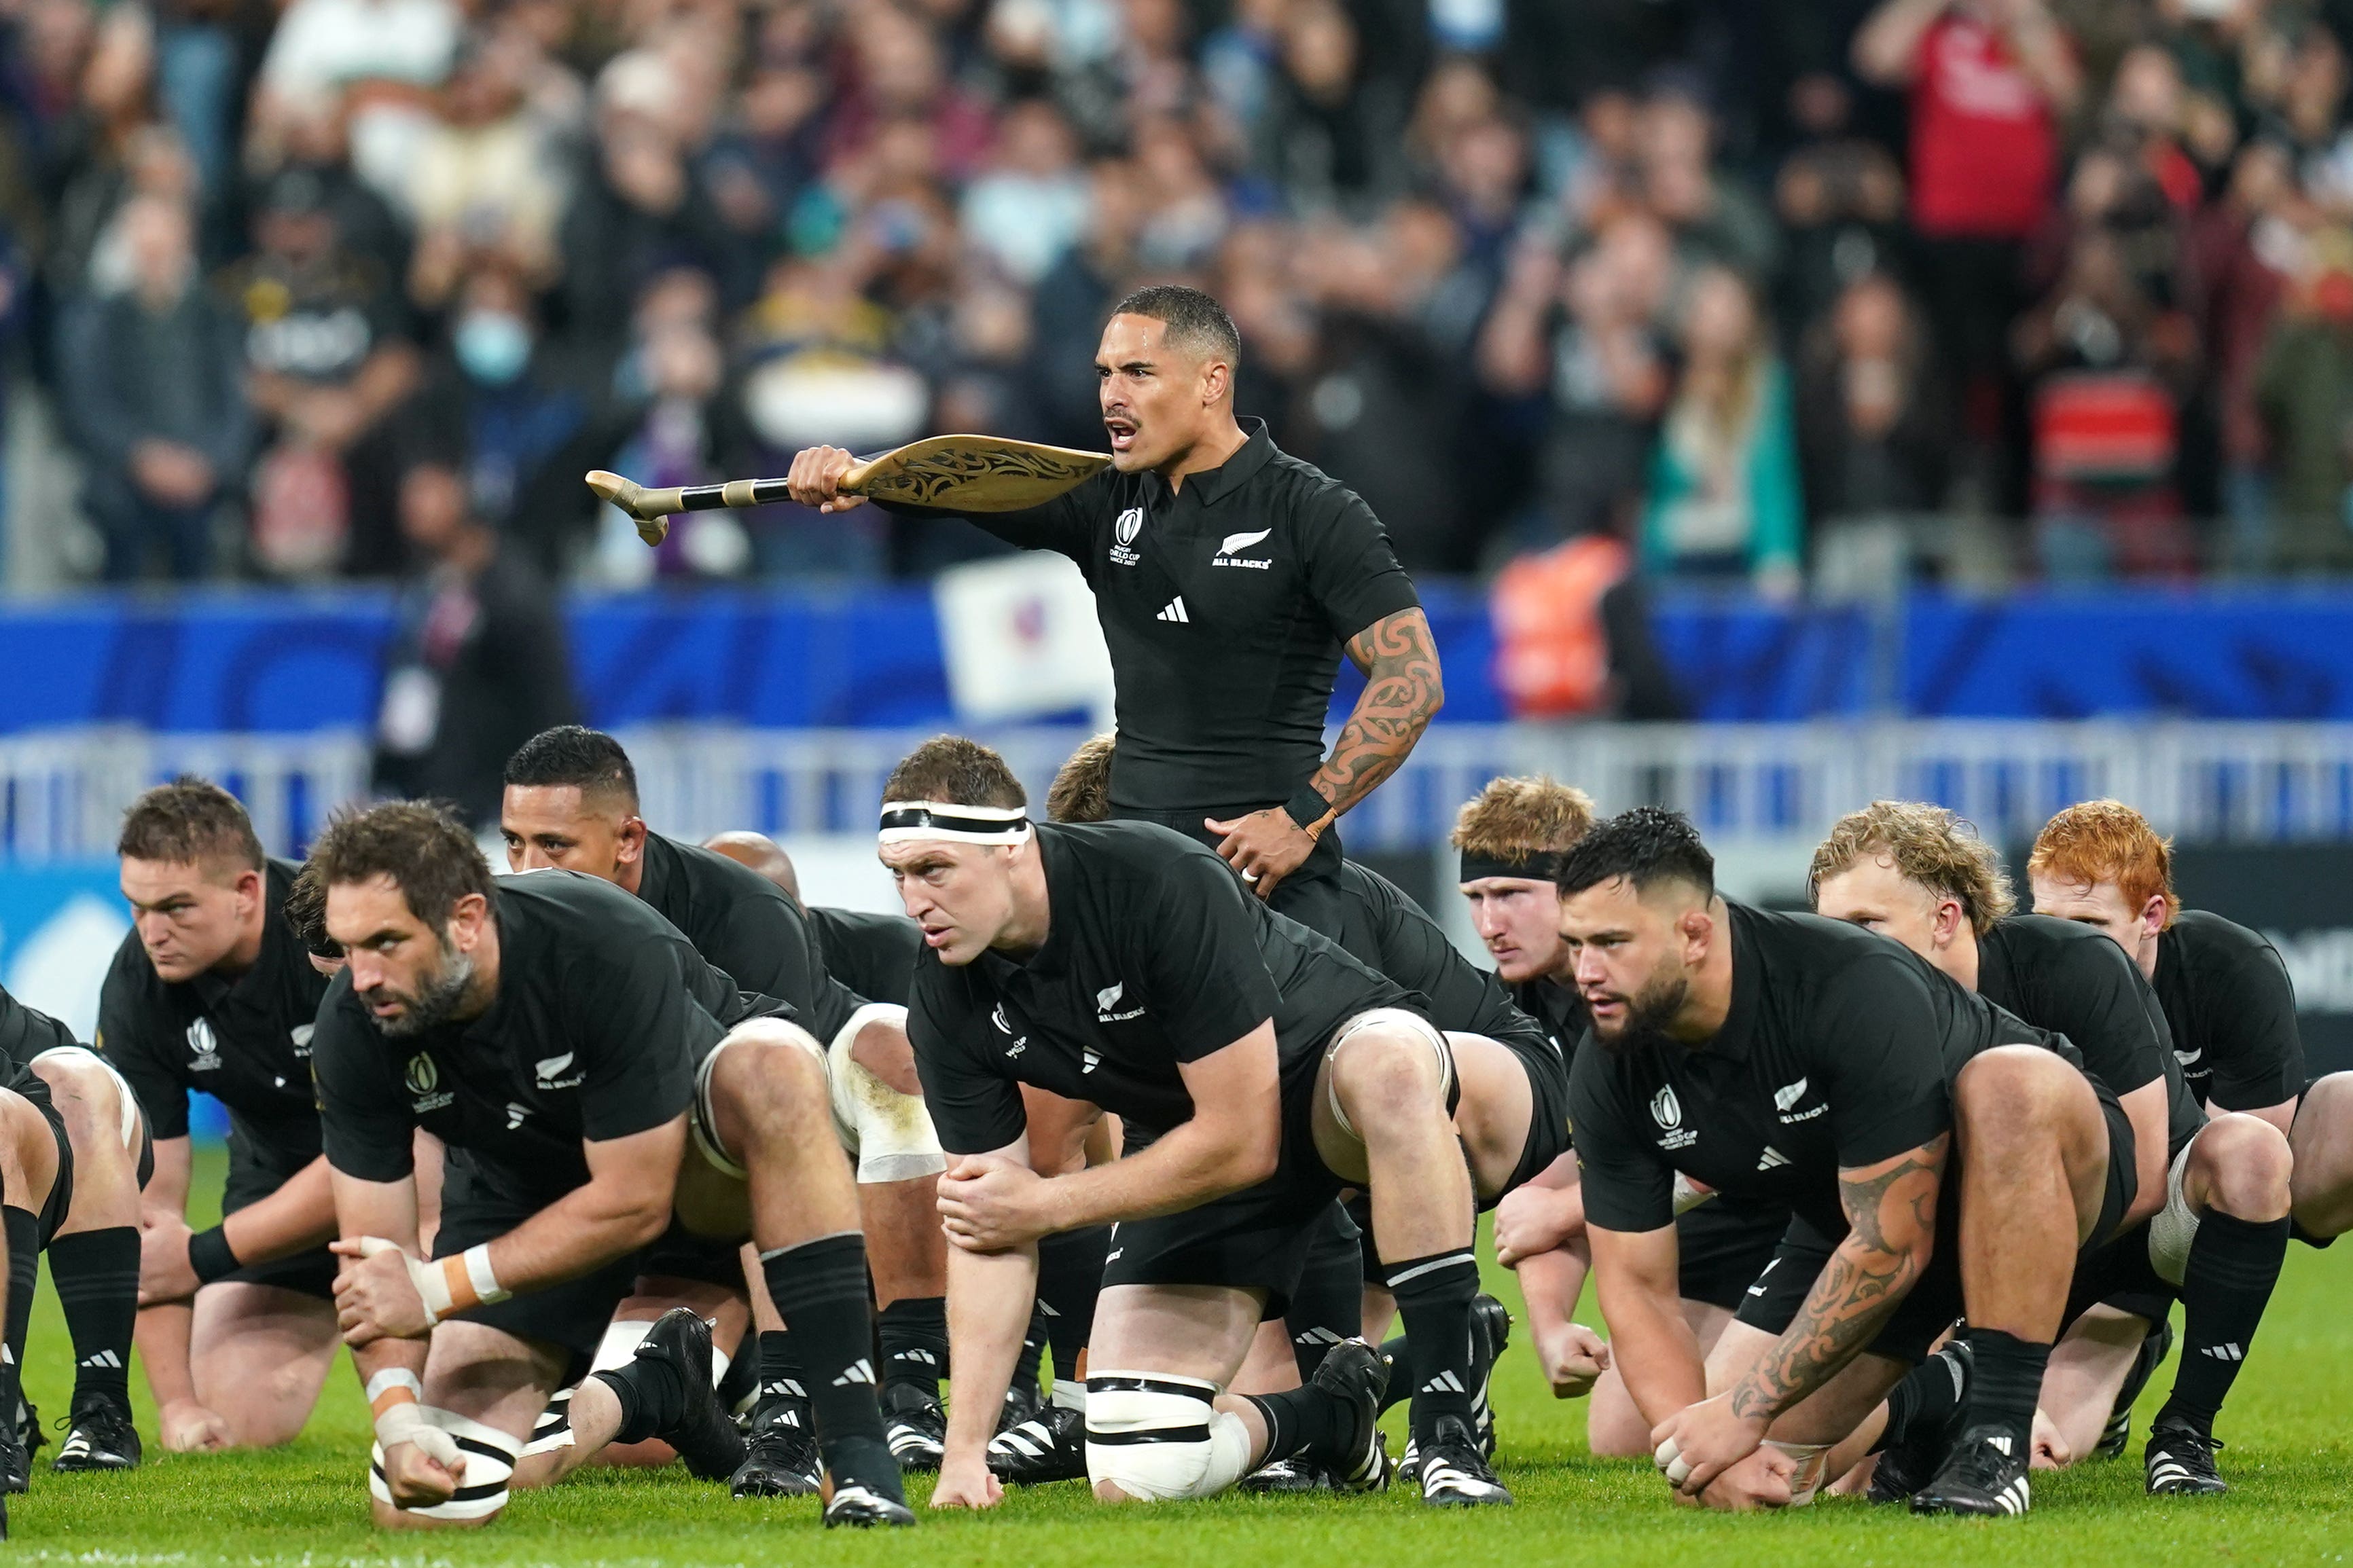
1373 1017
1158 1439
703 1124
890 1133
126 1101
2173 1228
489 1454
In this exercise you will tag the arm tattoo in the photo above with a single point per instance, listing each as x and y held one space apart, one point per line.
1893 1217
1403 688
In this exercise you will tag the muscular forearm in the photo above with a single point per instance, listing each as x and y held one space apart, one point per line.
581 1231
162 1337
1653 1349
1403 691
298 1215
1855 1295
989 1299
1186 1169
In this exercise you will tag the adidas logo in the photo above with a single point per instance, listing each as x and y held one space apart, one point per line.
108 1359
1175 611
856 1372
924 1356
1444 1382
1088 1061
2223 1353
787 1387
1999 1442
1315 1337
1772 1160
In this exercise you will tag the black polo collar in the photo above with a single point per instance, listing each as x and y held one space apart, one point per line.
1213 485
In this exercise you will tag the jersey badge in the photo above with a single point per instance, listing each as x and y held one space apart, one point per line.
424 1080
1123 535
1233 542
203 1050
301 1036
1005 1027
1786 1096
1107 999
550 1071
1668 1112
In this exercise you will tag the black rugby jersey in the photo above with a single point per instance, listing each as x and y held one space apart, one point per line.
1839 1051
1386 930
245 1039
1225 606
1558 1011
2066 977
1153 957
2226 994
603 1010
872 955
745 925
25 1033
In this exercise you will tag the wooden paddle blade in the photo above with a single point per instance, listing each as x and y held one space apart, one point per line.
974 473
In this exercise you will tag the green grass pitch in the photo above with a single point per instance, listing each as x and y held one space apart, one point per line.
2290 1460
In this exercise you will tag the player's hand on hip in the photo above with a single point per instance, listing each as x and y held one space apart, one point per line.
164 1272
989 1204
1533 1220
416 1479
188 1427
814 478
376 1295
1265 846
1761 1481
1700 1442
1574 1358
965 1482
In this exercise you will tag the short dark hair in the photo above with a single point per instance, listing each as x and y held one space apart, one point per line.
1190 320
189 820
955 771
573 754
1082 790
1647 845
420 845
306 912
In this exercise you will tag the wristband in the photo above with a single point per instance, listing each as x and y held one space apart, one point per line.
1308 808
396 1400
464 1281
210 1256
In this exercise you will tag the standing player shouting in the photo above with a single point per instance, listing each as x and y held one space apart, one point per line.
213 993
594 1079
1228 577
1265 1070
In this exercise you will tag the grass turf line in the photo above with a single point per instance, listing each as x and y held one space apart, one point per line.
2288 1462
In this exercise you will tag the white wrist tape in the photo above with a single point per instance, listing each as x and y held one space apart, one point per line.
1811 1459
396 1400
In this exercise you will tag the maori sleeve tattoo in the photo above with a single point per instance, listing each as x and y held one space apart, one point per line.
1891 1210
1403 690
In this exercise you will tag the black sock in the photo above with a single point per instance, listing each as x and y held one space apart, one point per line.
1069 1278
2234 1264
97 1276
1033 1352
1400 1359
781 1379
819 1288
1297 1421
2005 1383
652 1398
914 1334
1926 1397
24 1232
1328 1305
1433 1297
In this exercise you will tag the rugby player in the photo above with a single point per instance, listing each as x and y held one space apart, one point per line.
1784 1058
1229 577
212 992
570 801
1266 1070
1387 932
596 1083
2231 1010
1918 874
1510 839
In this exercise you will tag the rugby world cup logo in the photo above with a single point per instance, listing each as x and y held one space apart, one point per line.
423 1077
1666 1109
1129 524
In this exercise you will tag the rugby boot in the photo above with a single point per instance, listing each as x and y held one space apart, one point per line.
1022 1402
1051 1446
2116 1436
864 1485
1454 1473
701 1428
1492 1321
1905 1468
16 1465
780 1459
1985 1475
1354 1372
1285 1477
98 1436
915 1426
2180 1462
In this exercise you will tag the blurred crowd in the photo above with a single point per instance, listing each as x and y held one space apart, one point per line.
1764 291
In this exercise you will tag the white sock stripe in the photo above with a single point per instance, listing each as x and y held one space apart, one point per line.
1432 1267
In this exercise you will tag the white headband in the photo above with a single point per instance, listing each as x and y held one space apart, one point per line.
910 819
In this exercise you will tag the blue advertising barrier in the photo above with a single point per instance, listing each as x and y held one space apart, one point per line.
255 662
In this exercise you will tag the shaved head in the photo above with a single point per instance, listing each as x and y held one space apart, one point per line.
758 851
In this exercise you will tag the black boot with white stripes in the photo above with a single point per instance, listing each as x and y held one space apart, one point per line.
1986 1475
914 1426
1048 1446
1454 1471
98 1436
2180 1461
